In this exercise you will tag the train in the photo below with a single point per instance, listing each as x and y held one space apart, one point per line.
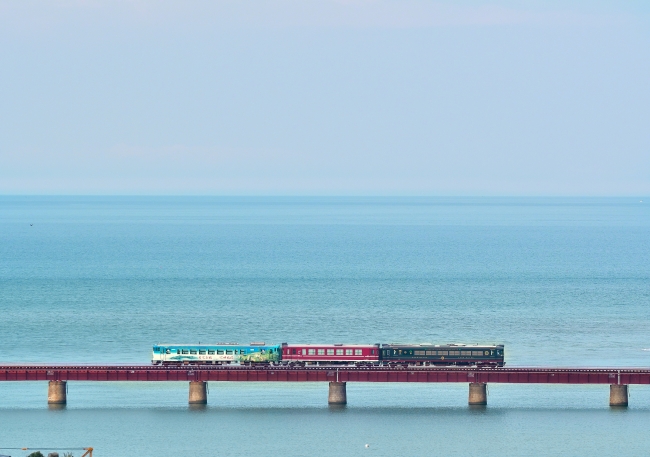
394 354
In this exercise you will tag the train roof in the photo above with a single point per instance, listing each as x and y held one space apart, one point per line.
253 344
331 345
458 345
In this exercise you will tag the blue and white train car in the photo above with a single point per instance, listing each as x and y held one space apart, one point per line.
216 354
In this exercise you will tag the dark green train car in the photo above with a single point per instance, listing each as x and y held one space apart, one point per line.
442 354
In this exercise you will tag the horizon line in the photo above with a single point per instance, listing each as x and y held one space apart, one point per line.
324 195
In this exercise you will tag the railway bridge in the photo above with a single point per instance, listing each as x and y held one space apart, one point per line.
57 376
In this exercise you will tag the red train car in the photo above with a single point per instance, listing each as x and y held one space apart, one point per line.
330 353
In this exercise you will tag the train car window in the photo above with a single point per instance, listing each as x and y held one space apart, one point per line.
330 352
466 353
312 352
420 353
202 352
220 351
358 352
475 353
339 352
372 351
293 351
454 352
321 352
192 351
348 352
304 352
443 352
210 352
185 351
228 351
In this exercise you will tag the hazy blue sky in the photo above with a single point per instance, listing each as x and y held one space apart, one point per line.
325 97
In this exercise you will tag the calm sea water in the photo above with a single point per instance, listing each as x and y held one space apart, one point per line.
99 279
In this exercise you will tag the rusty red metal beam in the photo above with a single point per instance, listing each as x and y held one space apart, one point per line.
519 375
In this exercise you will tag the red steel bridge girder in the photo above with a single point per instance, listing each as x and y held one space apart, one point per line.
520 375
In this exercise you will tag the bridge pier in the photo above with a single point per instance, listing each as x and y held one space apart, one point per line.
477 394
56 393
337 394
618 395
198 393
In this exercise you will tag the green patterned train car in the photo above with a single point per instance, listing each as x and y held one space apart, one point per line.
215 354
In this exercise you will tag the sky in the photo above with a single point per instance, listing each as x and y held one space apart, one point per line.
325 97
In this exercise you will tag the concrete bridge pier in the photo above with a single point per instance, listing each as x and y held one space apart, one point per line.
198 393
56 393
477 394
618 395
337 394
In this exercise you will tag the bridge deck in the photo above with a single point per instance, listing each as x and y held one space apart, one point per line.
521 375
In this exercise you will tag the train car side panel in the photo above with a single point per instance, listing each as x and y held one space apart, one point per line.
217 353
443 354
330 353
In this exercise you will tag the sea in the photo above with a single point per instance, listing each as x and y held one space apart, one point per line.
99 280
